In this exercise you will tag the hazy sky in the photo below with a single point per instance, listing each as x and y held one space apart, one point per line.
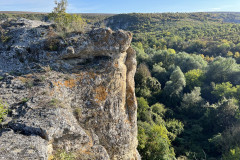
123 6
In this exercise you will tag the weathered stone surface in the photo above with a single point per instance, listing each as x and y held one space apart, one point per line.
17 146
74 94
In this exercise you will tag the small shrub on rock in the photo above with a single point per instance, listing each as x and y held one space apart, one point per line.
63 155
3 110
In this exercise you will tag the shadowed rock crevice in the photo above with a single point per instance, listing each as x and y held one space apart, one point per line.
27 130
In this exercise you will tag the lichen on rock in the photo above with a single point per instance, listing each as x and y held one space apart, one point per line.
75 96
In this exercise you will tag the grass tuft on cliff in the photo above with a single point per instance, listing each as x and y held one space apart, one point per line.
3 110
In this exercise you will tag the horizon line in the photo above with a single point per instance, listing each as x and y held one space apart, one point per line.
33 12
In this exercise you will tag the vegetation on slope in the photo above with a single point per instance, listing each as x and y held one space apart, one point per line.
188 83
3 110
200 33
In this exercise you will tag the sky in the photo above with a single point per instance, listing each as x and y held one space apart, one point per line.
124 6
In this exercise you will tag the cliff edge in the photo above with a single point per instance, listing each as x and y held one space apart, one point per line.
71 96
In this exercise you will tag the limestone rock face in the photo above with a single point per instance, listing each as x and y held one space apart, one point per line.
73 95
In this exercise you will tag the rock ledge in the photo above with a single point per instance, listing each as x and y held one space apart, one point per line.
74 94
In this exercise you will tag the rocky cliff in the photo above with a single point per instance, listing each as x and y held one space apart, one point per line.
69 97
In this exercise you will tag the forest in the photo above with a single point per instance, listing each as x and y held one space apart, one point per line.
187 82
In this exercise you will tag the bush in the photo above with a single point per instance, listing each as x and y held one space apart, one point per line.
66 22
78 113
154 143
55 103
3 35
233 154
174 127
159 109
63 155
28 81
3 110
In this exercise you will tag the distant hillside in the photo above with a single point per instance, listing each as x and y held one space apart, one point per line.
134 21
179 31
227 17
231 17
25 12
21 12
90 17
95 17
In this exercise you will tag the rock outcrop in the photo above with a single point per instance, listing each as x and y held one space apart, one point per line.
71 96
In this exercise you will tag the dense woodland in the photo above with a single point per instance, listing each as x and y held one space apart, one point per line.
187 82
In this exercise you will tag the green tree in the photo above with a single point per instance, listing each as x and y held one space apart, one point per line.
229 54
61 7
160 73
153 84
194 78
142 107
159 109
221 69
143 91
223 48
174 127
196 46
237 55
142 57
189 62
175 85
142 138
226 90
226 114
171 51
165 57
192 104
142 74
154 142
